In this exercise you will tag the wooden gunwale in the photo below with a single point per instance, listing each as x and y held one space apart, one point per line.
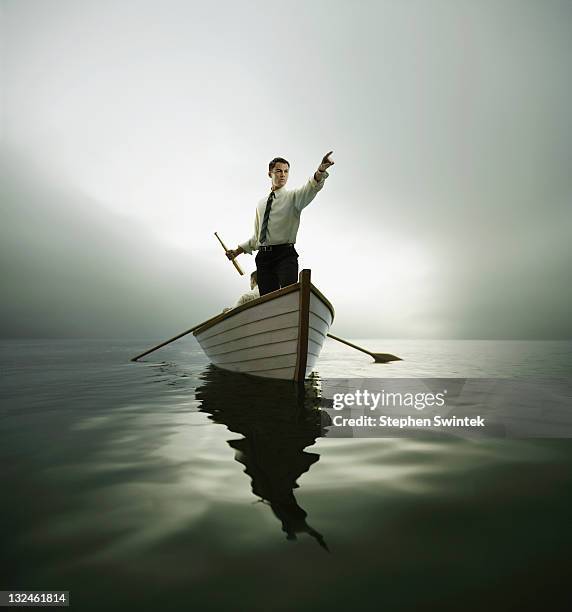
202 327
227 315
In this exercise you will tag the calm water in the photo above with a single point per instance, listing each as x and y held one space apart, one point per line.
169 485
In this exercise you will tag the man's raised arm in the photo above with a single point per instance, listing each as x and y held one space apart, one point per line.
304 195
323 167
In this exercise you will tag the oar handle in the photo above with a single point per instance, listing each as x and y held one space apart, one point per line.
233 260
163 344
359 348
175 338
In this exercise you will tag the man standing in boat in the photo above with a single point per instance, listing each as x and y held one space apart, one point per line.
276 225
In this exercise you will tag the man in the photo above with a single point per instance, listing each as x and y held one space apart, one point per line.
253 294
276 224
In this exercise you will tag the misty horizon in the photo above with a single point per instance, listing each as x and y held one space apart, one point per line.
446 216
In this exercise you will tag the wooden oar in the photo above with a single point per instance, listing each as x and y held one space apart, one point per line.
233 260
174 338
378 357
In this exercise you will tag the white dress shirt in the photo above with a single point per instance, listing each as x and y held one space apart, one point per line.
284 215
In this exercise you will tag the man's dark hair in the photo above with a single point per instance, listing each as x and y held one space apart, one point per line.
254 275
277 160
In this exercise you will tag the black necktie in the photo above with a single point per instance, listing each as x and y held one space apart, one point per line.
264 227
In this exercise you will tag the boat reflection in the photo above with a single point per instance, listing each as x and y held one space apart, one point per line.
278 420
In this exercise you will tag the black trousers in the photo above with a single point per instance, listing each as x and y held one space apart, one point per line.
276 268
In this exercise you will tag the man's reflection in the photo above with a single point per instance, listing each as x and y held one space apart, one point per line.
278 420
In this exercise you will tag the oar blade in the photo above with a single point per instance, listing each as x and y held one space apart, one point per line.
385 357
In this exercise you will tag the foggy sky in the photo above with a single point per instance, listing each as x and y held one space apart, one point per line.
132 130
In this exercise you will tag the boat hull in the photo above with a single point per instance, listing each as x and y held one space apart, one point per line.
279 335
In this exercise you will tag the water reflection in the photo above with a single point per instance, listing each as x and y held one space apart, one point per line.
278 420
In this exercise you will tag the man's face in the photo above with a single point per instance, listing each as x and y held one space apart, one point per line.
279 175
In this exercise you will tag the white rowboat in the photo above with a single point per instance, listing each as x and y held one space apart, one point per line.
279 335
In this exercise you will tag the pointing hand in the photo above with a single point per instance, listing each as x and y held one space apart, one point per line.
326 162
